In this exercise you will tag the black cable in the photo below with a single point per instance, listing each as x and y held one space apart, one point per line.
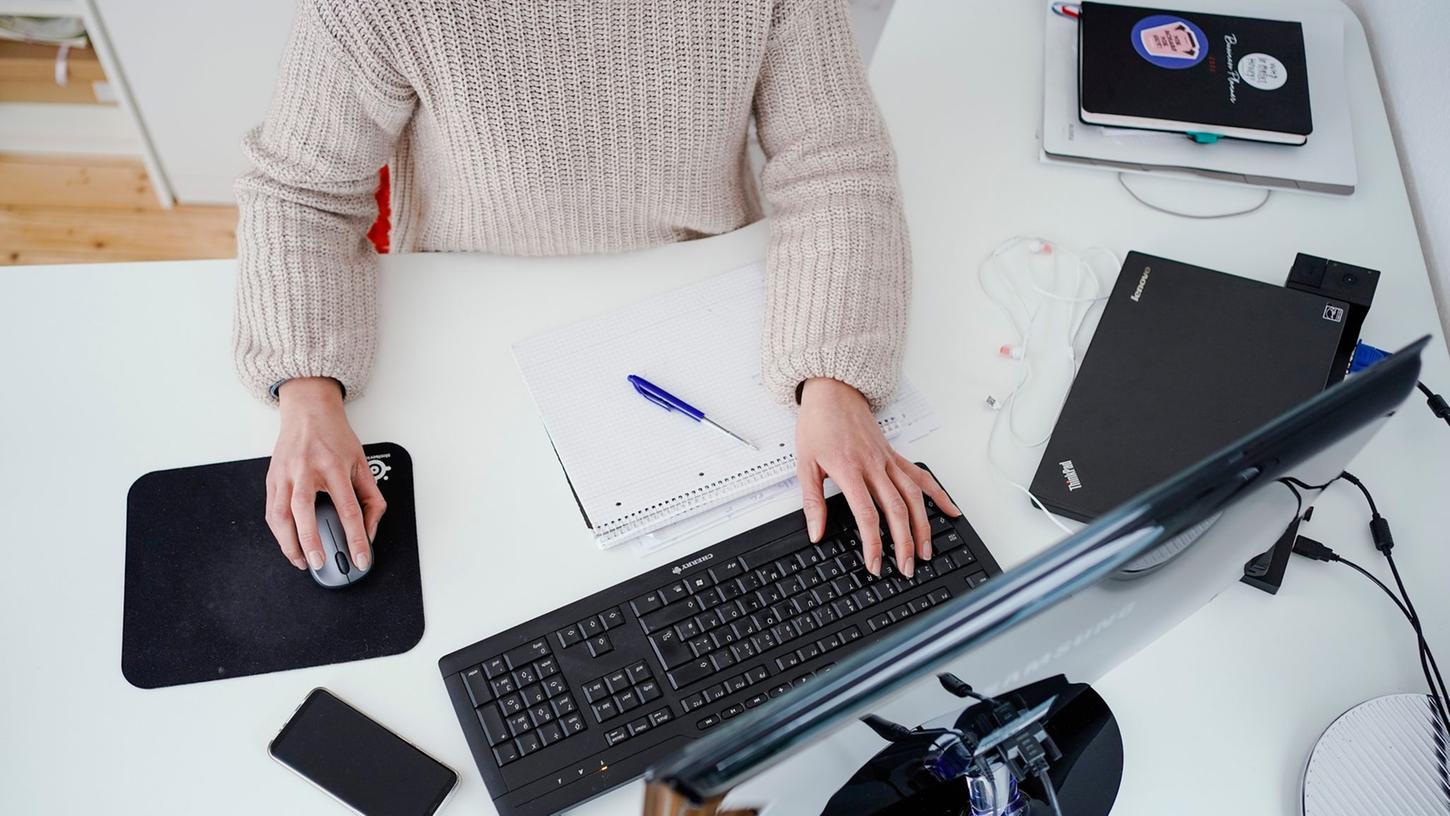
1438 406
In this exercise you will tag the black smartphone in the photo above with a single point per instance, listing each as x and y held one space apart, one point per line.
358 762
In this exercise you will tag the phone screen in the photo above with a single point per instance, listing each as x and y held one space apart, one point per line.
361 763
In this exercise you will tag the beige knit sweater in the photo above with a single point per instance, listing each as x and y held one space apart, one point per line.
544 127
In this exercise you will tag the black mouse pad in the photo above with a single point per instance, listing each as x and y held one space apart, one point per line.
209 595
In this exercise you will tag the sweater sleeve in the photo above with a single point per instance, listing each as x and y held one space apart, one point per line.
838 262
307 288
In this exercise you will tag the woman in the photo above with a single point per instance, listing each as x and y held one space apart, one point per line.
578 126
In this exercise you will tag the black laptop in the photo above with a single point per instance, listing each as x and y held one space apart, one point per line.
1184 361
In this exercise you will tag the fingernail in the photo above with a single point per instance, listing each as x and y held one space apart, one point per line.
813 530
299 563
362 560
314 558
908 567
926 550
874 566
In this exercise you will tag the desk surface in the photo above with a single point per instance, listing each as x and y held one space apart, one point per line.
113 371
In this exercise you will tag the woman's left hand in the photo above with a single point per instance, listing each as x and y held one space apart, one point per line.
838 436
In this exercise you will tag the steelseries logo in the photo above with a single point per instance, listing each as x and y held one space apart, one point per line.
1142 282
693 563
1069 475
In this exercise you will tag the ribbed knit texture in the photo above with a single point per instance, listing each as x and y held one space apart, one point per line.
568 127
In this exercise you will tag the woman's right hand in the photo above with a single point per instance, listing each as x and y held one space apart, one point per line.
317 452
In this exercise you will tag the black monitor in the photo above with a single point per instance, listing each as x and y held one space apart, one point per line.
1075 610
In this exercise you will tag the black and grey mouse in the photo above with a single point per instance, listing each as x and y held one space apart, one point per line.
337 570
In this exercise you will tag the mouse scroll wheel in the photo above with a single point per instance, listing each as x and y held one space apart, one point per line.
343 565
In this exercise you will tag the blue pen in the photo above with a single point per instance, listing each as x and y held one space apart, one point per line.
670 402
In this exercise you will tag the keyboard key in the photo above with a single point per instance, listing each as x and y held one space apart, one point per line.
736 683
941 595
648 691
626 701
687 629
604 710
525 655
710 598
612 617
964 557
493 668
918 605
787 661
547 667
554 686
617 681
504 685
758 674
572 724
726 571
829 642
494 727
709 722
505 753
702 646
569 635
660 717
563 705
670 615
778 690
511 704
595 691
674 593
526 676
699 582
879 622
976 579
599 645
756 699
810 651
639 672
670 649
691 672
478 688
550 733
646 603
528 744
520 724
732 711
591 627
850 634
533 695
722 659
541 714
692 702
616 736
939 524
713 693
707 620
639 726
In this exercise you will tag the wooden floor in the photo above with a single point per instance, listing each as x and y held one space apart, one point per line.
100 210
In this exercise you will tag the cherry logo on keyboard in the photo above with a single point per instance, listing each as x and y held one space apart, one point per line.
679 568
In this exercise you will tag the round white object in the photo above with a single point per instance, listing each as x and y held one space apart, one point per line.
1384 756
1263 71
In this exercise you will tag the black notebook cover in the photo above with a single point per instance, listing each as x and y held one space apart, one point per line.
1201 70
209 596
1185 360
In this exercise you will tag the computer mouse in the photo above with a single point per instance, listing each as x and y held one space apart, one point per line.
337 570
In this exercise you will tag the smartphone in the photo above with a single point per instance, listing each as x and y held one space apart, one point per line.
358 762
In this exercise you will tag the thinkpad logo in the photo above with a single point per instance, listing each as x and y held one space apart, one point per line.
679 568
1333 313
1069 475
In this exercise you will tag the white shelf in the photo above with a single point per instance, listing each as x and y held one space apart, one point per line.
88 130
42 8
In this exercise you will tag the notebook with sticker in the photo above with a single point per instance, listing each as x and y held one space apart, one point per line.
1208 75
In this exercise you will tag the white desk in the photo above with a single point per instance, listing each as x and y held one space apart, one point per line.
113 371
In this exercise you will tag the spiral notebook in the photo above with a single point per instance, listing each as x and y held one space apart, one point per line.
636 468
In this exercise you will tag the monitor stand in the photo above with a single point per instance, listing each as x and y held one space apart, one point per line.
1086 778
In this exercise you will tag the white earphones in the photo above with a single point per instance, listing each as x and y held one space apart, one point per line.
1024 305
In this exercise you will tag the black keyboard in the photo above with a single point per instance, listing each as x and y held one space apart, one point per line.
586 697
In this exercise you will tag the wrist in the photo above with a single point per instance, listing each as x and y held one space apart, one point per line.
310 394
828 389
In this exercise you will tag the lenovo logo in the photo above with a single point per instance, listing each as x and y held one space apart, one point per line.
1142 282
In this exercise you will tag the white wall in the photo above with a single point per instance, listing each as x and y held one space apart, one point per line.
1408 40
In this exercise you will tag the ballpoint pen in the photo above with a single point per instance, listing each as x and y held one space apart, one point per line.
670 402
